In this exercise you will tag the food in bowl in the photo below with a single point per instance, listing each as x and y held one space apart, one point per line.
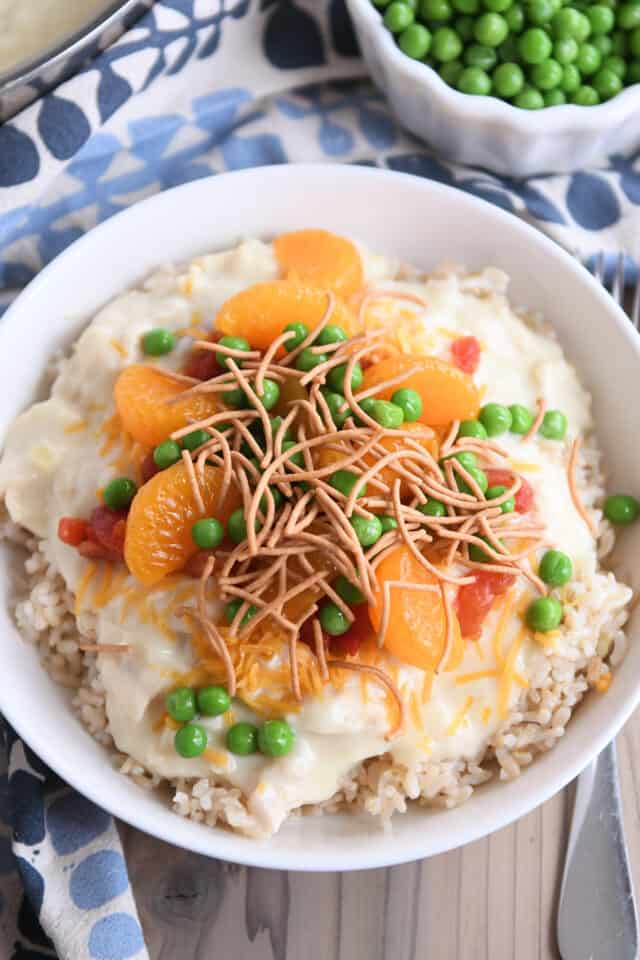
534 55
310 530
29 27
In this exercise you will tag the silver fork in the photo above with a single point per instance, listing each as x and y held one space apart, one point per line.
597 917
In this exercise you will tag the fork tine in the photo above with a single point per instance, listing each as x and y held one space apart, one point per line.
635 306
617 288
598 270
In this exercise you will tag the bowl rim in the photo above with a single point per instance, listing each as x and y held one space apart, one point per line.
549 120
69 45
542 783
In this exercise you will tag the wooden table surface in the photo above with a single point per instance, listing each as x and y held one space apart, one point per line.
491 900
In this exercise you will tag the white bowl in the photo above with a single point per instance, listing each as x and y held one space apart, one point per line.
423 223
485 131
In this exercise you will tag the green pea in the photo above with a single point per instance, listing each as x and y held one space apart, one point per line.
508 50
478 475
410 402
465 6
368 530
233 343
474 81
388 523
629 16
332 620
603 44
450 72
276 738
617 64
380 3
498 6
621 508
387 414
348 591
491 29
607 84
478 56
534 45
166 454
544 614
195 439
231 608
367 404
213 701
555 568
566 50
446 45
633 72
119 493
180 704
191 740
237 526
619 43
515 18
508 81
540 12
465 457
570 78
276 423
554 98
344 481
547 75
242 738
337 375
634 42
521 419
307 360
332 333
270 394
495 418
207 533
415 41
588 60
566 23
300 331
433 508
464 28
438 11
296 459
477 554
278 499
335 401
554 425
472 428
529 99
494 492
398 17
601 19
157 342
236 398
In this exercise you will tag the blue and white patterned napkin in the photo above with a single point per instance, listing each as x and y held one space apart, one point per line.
200 87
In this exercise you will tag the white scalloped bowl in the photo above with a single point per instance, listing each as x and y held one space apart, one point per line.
487 132
422 223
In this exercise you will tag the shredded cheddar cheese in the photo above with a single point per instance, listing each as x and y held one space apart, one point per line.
119 347
508 673
460 717
76 426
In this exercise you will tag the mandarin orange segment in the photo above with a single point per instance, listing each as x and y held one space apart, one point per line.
447 392
140 394
158 539
321 258
261 312
390 443
416 633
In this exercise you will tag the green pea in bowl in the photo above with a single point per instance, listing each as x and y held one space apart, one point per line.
478 128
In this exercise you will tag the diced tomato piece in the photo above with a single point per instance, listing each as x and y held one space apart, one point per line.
91 550
504 478
360 630
72 530
195 565
475 600
466 353
148 468
107 528
202 364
